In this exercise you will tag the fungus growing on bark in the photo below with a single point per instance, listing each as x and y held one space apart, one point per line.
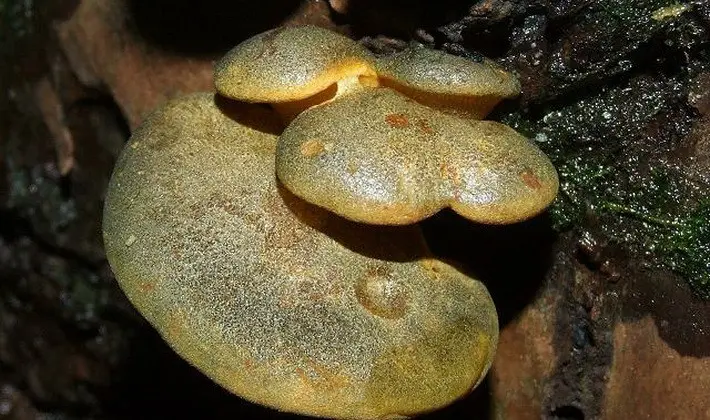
390 140
279 301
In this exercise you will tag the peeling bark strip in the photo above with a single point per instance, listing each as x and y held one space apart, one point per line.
105 52
53 114
650 379
625 342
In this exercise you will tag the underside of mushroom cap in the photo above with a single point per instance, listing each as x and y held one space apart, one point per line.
290 63
435 78
389 160
281 302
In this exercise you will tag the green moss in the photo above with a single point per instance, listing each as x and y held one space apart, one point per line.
669 223
614 124
611 151
639 19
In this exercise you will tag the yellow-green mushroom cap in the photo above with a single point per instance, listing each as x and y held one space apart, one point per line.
446 81
278 301
379 157
290 63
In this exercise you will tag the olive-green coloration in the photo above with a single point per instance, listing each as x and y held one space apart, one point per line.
295 63
277 300
379 157
445 81
290 63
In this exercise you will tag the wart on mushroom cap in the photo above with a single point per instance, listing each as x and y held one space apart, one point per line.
279 301
390 160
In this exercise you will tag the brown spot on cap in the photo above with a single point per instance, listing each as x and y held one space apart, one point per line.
374 270
530 179
312 148
449 172
397 120
146 286
424 126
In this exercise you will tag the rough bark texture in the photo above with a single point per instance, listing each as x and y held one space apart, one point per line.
603 301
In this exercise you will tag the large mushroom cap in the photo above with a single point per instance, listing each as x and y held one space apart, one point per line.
379 157
290 63
281 302
446 81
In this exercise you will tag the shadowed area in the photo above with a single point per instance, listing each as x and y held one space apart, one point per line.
400 18
239 112
511 261
205 27
386 243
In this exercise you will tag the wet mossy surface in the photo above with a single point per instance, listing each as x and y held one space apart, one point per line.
614 127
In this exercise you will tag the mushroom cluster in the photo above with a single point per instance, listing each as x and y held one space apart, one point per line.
272 285
392 140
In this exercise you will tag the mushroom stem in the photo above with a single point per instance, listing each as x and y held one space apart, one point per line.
287 111
356 83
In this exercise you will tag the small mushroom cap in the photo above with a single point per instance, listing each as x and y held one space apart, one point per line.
378 157
281 302
446 81
290 63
